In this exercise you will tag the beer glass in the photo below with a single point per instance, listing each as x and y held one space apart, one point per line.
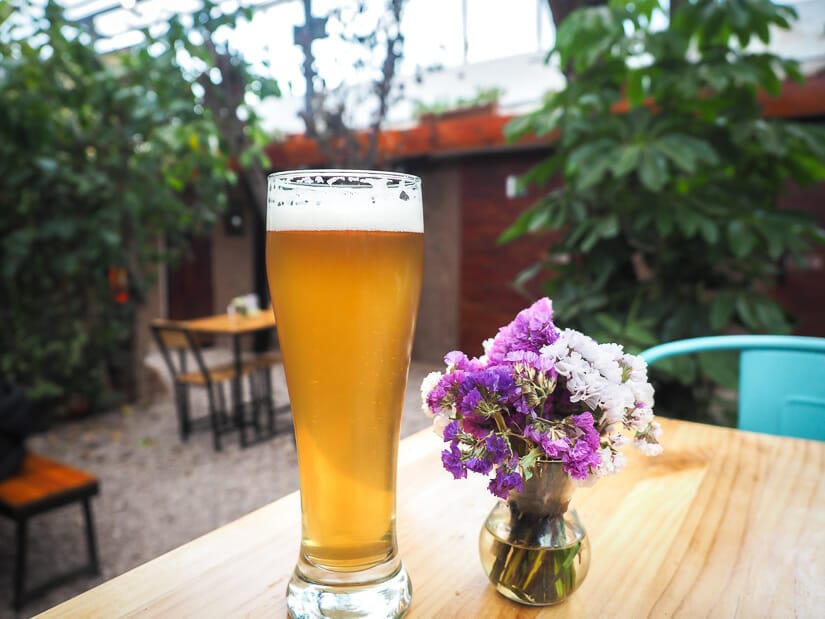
344 256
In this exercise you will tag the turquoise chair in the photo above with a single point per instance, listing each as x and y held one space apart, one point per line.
781 380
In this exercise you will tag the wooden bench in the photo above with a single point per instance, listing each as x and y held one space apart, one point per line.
42 485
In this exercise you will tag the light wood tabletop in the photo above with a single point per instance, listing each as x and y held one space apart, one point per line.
234 324
725 523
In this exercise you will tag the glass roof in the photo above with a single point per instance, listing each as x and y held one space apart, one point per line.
117 22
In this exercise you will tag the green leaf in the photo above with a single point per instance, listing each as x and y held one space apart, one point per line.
744 309
518 228
635 87
721 311
653 171
721 366
518 127
528 461
627 160
47 165
586 153
741 238
709 230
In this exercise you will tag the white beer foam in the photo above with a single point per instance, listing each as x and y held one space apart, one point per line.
344 200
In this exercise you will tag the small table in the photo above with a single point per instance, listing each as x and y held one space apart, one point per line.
725 523
234 325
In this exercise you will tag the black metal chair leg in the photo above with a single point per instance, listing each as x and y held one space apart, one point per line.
182 405
91 542
270 399
213 417
20 565
254 398
221 403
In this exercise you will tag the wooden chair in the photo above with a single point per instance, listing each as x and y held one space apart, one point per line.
781 380
177 345
41 485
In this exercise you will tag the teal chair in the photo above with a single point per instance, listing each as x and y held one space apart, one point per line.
781 380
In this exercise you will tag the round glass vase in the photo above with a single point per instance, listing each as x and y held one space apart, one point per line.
533 549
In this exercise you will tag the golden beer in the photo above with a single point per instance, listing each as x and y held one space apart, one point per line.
344 259
345 303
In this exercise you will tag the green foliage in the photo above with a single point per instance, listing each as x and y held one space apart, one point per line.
104 162
483 96
671 174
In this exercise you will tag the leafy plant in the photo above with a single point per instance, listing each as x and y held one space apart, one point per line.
671 174
107 165
483 96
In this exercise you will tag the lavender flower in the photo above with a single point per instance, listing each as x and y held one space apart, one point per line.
451 459
532 329
497 448
504 482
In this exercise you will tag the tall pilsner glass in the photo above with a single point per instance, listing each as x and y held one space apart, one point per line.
344 255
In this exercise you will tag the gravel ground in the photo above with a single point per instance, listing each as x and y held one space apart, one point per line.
156 492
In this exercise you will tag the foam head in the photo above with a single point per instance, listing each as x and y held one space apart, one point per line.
344 200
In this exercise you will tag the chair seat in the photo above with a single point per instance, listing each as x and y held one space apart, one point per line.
217 373
267 359
42 482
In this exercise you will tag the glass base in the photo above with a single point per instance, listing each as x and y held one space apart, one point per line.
315 593
534 560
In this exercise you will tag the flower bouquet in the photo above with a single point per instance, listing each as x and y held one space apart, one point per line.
541 410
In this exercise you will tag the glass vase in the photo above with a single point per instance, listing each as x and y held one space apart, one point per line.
533 549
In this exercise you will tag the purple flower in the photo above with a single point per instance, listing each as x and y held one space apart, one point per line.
461 362
451 459
583 420
496 380
504 482
531 329
444 390
479 465
497 448
554 448
529 358
468 402
450 431
583 456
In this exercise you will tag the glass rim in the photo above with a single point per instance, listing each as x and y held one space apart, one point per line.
288 178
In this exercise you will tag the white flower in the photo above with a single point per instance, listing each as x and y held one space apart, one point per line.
639 418
427 385
648 449
617 440
439 423
487 345
637 366
612 462
642 392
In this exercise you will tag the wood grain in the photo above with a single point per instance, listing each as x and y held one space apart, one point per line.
725 523
40 478
231 325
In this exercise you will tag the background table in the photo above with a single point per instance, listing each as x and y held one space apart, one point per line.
235 326
725 523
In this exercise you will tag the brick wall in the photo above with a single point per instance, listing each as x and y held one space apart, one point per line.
802 290
487 298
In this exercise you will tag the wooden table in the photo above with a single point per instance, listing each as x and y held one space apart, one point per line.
235 326
725 523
